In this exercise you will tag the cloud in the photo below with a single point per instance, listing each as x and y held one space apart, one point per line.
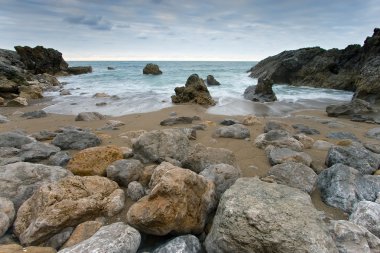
93 22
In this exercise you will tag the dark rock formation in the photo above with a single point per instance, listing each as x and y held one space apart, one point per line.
152 69
79 70
262 92
194 91
211 81
355 68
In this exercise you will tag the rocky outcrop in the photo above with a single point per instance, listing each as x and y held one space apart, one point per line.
262 92
152 69
194 91
79 70
211 81
355 68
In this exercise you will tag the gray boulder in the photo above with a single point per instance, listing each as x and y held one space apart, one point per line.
37 151
367 214
262 92
115 238
356 156
60 158
301 128
295 175
7 215
278 138
9 155
283 155
276 125
236 131
14 139
373 147
135 190
254 216
19 180
351 238
181 244
373 133
356 106
125 171
222 175
76 139
89 116
343 187
34 114
44 135
342 136
158 145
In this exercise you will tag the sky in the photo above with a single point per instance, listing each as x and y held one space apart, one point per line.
184 30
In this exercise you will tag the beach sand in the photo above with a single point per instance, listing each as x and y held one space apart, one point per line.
252 160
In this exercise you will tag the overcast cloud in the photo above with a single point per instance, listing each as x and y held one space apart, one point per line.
184 30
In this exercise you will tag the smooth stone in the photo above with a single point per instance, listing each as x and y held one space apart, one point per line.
135 191
181 244
14 139
37 151
125 171
283 155
60 158
76 139
236 131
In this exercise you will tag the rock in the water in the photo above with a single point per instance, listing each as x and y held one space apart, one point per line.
34 114
211 81
295 175
79 70
152 69
37 151
115 238
343 187
236 131
7 214
19 180
156 214
367 214
94 161
59 159
17 102
254 216
262 92
75 139
374 133
351 238
14 139
157 145
222 175
135 190
342 136
194 91
356 106
125 171
89 116
301 128
176 120
201 157
64 92
181 244
66 203
355 156
283 155
82 232
278 138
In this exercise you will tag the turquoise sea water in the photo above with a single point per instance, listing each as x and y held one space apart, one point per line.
143 93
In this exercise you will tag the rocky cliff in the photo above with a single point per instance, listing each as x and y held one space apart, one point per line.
355 68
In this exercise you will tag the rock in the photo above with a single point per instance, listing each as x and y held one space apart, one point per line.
59 239
201 157
176 120
211 81
114 238
195 91
34 114
6 152
250 120
125 171
66 203
44 135
278 138
276 125
322 145
356 106
7 85
89 116
3 119
183 244
194 197
60 158
110 68
222 175
19 180
305 129
354 155
82 232
94 161
295 175
79 70
17 102
351 238
64 92
135 191
31 91
236 131
131 136
229 122
342 136
7 214
262 92
47 81
343 187
101 95
15 248
254 216
373 147
37 151
155 146
152 69
366 214
76 139
306 141
284 155
373 133
14 139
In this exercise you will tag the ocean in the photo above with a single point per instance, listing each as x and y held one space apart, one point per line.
140 93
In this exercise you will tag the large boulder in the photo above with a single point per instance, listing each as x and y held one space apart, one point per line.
11 71
114 238
262 92
211 81
366 214
343 187
194 91
161 145
19 180
94 161
79 70
76 139
178 203
14 139
66 203
356 106
152 69
37 151
7 214
181 244
254 216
